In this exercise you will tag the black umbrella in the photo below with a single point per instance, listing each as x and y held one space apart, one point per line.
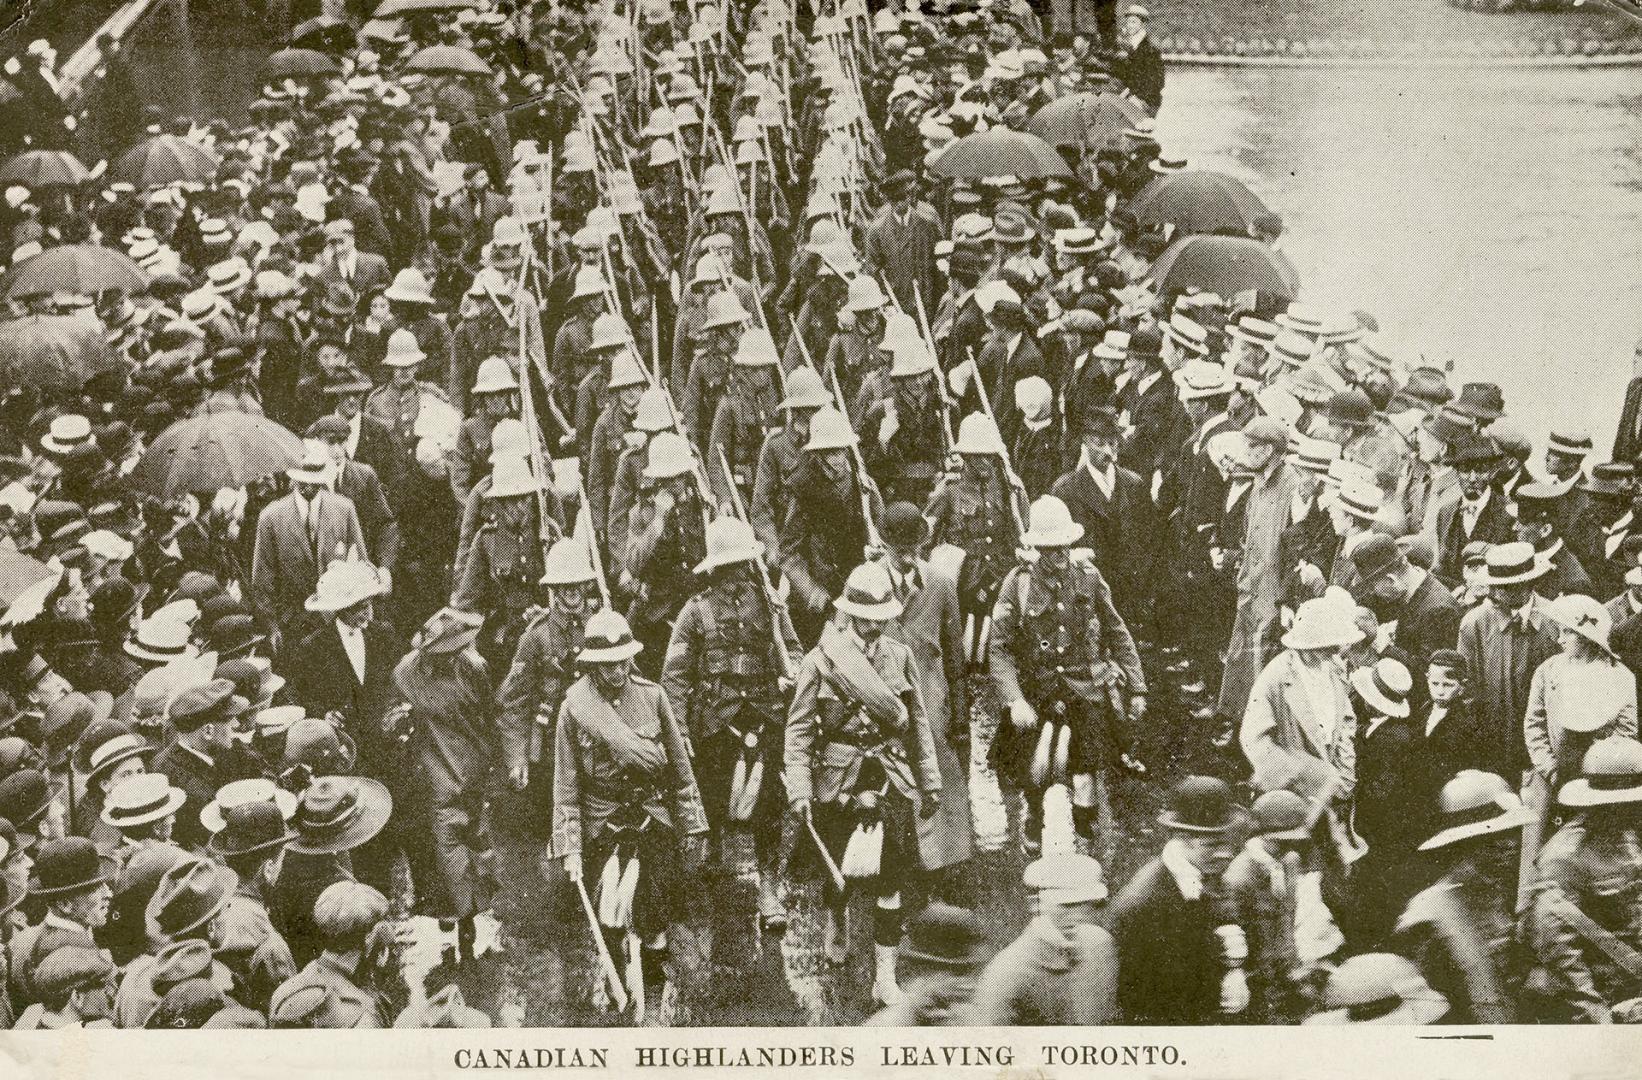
1225 265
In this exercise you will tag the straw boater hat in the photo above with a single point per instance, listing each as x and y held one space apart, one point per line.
160 640
1385 686
140 799
1322 623
1474 804
1379 988
729 540
240 793
1050 524
869 594
608 640
1610 773
344 583
66 432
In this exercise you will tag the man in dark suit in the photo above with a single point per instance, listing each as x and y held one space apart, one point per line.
202 758
359 482
357 205
1011 354
1140 68
298 535
901 241
344 264
960 325
474 209
1480 513
1539 522
369 440
1149 410
1425 611
1110 503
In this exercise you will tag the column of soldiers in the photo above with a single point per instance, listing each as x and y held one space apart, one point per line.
757 485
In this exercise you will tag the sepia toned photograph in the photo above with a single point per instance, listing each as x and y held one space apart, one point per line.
812 519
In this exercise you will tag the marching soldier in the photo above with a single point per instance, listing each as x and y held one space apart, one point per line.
782 454
665 539
653 415
1066 671
399 402
860 760
625 801
624 389
496 397
721 329
544 667
906 442
724 676
854 353
825 531
746 410
505 561
970 511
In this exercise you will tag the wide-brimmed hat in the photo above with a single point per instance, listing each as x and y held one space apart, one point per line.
1322 623
1585 616
943 936
344 583
1200 804
316 467
140 799
67 867
238 793
1385 685
1198 379
729 540
1514 563
869 594
160 641
252 828
608 639
1066 878
190 894
1476 803
339 813
1050 524
1379 988
1610 773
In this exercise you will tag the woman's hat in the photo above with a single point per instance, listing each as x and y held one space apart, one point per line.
105 745
1322 623
1200 804
869 594
1050 524
339 813
252 828
1585 616
607 640
239 793
729 540
1385 686
344 583
448 630
1379 988
190 894
140 799
943 936
1476 803
67 867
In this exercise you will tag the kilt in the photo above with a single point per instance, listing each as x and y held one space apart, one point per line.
659 898
715 762
836 821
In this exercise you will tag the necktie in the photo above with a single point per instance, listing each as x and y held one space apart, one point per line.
313 529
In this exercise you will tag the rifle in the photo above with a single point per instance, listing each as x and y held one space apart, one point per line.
591 539
861 477
935 357
704 490
533 434
771 605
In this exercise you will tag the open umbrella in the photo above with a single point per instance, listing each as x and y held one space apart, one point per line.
325 33
1198 201
45 168
999 152
54 354
298 63
1226 265
18 572
388 8
86 269
215 450
1089 120
448 60
165 159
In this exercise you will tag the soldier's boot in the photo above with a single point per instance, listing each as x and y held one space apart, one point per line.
836 938
1083 827
886 934
655 953
772 913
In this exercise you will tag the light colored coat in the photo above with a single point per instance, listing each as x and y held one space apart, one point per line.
1259 586
1288 745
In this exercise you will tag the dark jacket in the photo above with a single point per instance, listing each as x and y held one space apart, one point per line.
1141 73
1169 957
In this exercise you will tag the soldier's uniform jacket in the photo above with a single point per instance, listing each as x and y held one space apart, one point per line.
744 413
624 495
543 668
778 462
830 736
481 335
399 406
570 351
721 662
709 378
1056 637
823 535
662 567
975 518
605 447
916 451
1463 940
852 356
352 1001
503 565
1606 885
251 949
595 784
471 462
